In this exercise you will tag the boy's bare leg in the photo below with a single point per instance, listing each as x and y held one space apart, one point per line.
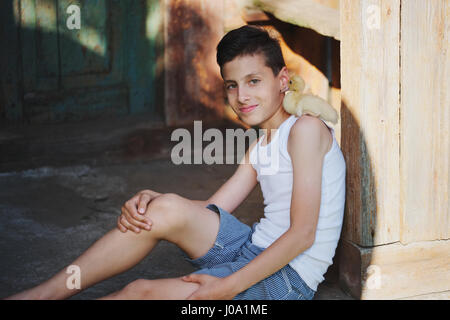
191 227
158 289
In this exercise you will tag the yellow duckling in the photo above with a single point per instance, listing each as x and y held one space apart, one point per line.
298 102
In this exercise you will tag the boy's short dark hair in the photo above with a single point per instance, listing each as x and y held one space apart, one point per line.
250 40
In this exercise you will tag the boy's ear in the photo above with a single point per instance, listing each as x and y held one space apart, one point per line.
284 79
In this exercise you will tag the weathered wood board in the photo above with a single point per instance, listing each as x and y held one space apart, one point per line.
395 271
370 80
321 16
425 121
395 116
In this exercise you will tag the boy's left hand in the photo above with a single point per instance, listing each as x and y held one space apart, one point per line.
211 288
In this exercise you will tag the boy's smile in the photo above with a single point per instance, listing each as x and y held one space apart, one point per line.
247 109
254 92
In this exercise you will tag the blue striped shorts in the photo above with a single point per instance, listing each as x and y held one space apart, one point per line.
233 250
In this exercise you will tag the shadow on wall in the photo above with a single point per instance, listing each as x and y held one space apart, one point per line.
51 73
193 83
320 51
360 220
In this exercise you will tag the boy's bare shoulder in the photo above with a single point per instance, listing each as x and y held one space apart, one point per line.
311 130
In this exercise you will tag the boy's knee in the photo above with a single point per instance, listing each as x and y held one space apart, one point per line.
165 212
168 203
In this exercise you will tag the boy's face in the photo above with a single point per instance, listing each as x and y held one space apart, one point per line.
252 90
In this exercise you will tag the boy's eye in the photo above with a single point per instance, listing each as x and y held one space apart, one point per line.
232 86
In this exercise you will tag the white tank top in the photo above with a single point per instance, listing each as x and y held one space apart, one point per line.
274 173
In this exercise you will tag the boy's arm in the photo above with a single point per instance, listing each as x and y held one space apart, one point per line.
307 146
228 197
236 189
202 203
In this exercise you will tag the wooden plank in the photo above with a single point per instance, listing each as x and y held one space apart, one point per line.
76 104
94 55
11 108
425 120
306 13
370 112
335 100
39 49
28 43
46 46
394 271
432 296
239 12
87 50
444 195
232 18
334 4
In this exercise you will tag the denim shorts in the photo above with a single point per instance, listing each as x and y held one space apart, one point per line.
233 250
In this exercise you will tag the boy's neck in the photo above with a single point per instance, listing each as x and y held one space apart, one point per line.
275 120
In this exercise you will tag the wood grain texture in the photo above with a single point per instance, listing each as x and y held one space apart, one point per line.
425 120
395 271
11 107
232 17
306 13
370 116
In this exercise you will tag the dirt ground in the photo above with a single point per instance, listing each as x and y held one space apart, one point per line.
59 195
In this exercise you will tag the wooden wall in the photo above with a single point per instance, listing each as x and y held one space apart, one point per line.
105 68
425 121
395 125
154 58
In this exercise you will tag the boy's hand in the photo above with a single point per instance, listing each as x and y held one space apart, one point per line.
211 288
132 217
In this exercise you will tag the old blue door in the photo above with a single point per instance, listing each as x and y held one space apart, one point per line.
74 60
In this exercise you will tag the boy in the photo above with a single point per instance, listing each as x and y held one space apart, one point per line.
285 255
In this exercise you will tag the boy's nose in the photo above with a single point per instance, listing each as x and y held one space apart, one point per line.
243 96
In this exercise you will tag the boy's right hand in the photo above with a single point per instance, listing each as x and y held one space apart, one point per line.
132 217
